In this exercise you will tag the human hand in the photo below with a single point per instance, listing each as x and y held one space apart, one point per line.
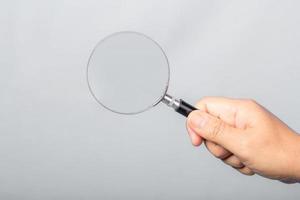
247 137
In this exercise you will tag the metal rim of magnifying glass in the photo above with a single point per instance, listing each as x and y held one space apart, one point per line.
155 102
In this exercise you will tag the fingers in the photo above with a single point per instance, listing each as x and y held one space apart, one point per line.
222 124
223 154
233 161
235 112
217 150
246 171
224 108
195 138
215 130
228 158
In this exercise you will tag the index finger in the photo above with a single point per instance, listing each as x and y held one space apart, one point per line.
224 108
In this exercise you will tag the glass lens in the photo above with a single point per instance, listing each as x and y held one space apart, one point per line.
128 73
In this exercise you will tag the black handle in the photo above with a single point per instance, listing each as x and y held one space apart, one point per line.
184 108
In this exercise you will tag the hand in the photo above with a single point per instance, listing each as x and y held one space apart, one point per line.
247 137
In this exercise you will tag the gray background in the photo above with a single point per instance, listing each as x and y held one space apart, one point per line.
57 143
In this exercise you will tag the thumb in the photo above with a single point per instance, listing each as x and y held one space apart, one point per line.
214 129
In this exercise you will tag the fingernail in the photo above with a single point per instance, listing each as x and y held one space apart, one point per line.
192 135
198 120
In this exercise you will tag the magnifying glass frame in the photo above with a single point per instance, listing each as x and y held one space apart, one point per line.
179 106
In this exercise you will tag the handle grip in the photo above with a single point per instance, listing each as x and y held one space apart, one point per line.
184 108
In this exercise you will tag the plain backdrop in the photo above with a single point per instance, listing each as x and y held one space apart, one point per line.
56 142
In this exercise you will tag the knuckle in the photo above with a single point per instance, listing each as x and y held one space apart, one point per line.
246 171
251 102
249 173
220 153
238 165
216 150
235 162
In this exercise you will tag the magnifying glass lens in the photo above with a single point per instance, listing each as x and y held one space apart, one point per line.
128 73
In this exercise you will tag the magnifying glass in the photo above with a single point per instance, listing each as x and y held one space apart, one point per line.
128 73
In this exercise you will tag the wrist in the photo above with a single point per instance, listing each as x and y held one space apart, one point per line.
296 158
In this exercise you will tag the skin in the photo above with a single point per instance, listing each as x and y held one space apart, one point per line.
246 136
